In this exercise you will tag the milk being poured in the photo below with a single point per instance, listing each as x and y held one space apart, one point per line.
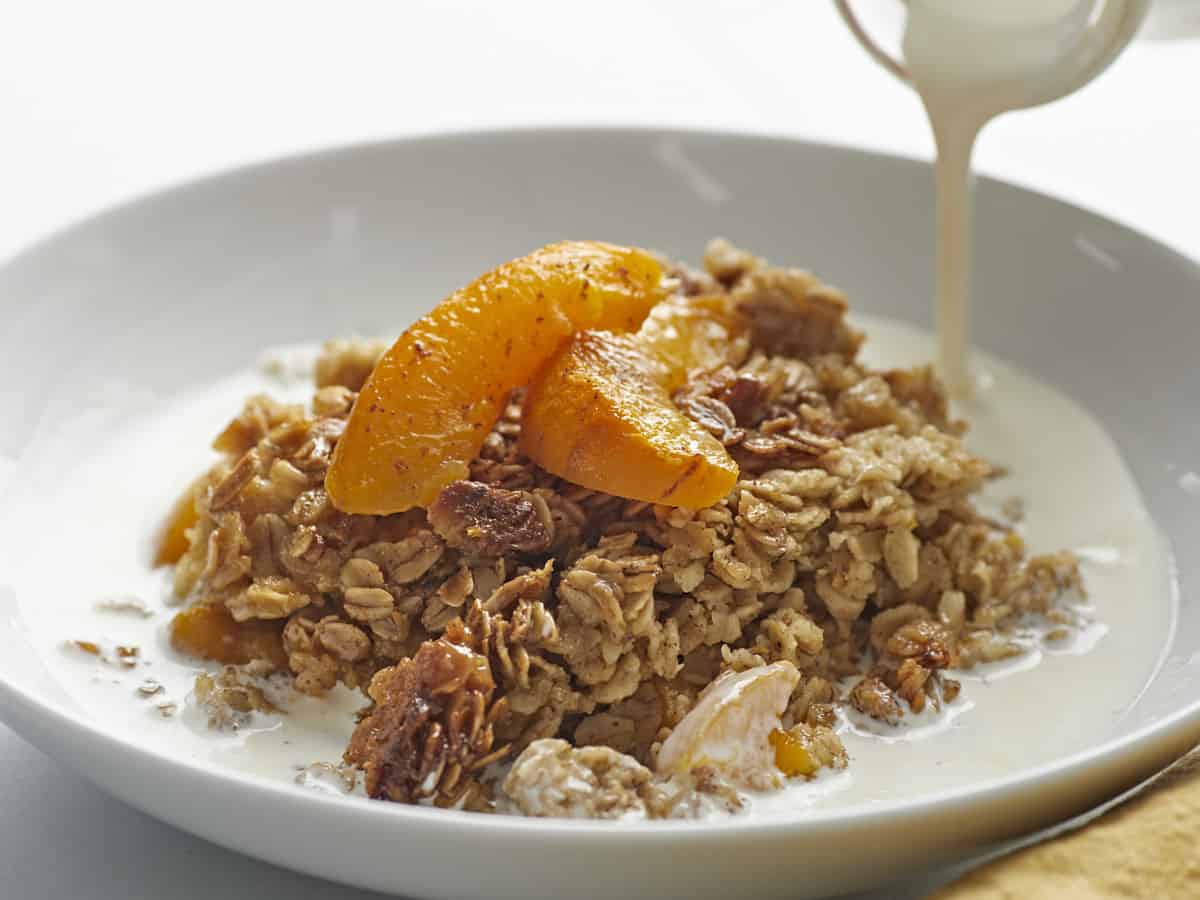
971 60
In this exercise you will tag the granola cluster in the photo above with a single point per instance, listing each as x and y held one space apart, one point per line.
431 730
552 779
520 611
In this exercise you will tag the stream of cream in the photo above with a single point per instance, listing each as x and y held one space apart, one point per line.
970 61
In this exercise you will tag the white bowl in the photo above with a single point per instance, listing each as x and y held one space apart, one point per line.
175 290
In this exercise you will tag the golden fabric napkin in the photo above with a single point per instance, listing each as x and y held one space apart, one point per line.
1148 846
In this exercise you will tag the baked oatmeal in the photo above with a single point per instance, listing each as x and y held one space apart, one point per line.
643 570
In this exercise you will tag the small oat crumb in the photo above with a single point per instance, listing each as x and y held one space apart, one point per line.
341 777
1058 634
1013 509
127 656
167 709
950 690
149 688
130 605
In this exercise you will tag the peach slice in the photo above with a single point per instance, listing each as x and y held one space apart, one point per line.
689 333
209 632
601 415
428 405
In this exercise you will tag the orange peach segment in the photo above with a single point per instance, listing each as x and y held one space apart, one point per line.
688 333
209 632
601 415
426 409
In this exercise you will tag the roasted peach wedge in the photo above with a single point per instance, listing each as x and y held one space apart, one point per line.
425 410
601 415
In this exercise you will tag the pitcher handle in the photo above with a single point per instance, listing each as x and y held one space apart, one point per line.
880 55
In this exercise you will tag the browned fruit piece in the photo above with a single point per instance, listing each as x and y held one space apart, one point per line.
209 632
424 412
791 756
601 415
173 540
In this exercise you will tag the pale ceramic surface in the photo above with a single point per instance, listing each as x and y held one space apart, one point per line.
333 243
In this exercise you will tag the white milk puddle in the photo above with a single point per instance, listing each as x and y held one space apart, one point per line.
97 489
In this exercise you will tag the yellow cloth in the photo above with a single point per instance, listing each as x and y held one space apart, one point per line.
1148 846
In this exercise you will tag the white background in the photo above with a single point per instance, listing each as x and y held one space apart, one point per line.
102 101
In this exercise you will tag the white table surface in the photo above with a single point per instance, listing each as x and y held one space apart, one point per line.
100 102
